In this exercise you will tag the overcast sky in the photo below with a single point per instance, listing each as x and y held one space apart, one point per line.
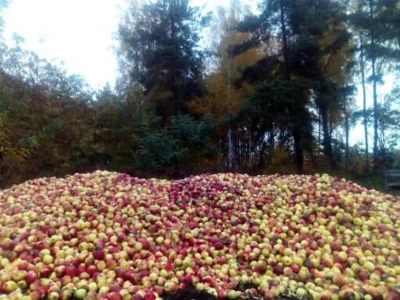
80 34
77 32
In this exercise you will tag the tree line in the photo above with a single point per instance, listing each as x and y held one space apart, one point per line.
201 92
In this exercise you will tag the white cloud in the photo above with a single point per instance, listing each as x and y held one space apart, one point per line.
77 32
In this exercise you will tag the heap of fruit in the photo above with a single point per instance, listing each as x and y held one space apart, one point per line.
111 236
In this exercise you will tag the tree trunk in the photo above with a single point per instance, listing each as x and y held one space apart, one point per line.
284 40
231 140
375 96
383 142
250 145
347 130
364 91
374 84
299 156
231 148
271 142
319 129
327 141
298 151
261 154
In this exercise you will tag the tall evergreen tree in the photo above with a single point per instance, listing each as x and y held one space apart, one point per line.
274 23
161 51
378 21
311 38
364 95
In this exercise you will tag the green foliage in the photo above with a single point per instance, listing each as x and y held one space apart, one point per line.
388 114
166 151
191 132
377 22
275 97
279 109
171 150
161 46
157 150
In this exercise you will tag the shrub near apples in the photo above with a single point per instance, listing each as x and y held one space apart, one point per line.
112 236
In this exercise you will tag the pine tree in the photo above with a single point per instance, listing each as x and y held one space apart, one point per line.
311 39
378 21
161 49
364 94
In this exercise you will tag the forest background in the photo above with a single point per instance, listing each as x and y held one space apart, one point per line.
231 90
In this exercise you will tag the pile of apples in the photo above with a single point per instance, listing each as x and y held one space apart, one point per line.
111 236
